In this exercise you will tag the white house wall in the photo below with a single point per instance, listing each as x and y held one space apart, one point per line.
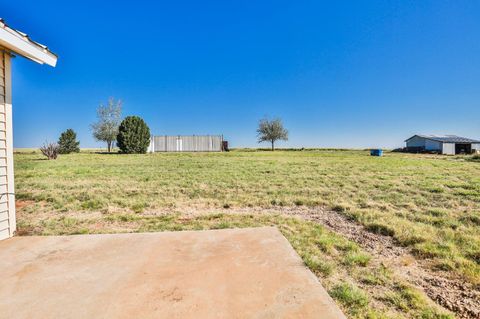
7 188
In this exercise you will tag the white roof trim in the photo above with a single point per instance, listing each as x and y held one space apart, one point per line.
21 44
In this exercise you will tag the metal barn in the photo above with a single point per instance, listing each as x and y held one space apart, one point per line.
447 144
12 43
186 143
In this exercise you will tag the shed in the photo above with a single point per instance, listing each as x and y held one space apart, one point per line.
12 42
445 144
186 143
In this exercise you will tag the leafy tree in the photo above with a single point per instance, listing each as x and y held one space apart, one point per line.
271 131
68 142
106 128
133 135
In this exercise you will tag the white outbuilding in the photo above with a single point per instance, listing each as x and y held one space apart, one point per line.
186 143
446 144
12 43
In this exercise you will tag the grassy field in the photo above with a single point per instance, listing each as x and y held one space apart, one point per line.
428 203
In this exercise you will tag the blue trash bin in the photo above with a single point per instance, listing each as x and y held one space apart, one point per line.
376 152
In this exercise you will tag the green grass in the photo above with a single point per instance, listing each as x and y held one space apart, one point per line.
350 296
429 203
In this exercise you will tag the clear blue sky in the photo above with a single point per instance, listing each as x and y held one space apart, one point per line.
339 73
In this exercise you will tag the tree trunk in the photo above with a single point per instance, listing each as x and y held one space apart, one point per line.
109 146
273 146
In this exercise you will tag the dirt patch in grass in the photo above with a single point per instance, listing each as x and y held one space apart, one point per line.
449 291
19 204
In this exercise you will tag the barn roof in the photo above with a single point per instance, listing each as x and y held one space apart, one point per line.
21 44
446 138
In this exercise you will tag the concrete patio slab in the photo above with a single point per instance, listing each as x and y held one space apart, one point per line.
239 273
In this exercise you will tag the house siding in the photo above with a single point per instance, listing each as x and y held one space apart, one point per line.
7 188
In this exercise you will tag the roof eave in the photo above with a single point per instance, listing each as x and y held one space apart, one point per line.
408 139
432 138
26 48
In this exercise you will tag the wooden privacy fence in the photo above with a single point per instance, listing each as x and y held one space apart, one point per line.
186 143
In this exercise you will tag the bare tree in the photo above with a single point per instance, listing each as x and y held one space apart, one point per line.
50 150
271 131
109 118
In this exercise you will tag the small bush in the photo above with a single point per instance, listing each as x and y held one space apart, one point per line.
68 142
50 150
133 135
